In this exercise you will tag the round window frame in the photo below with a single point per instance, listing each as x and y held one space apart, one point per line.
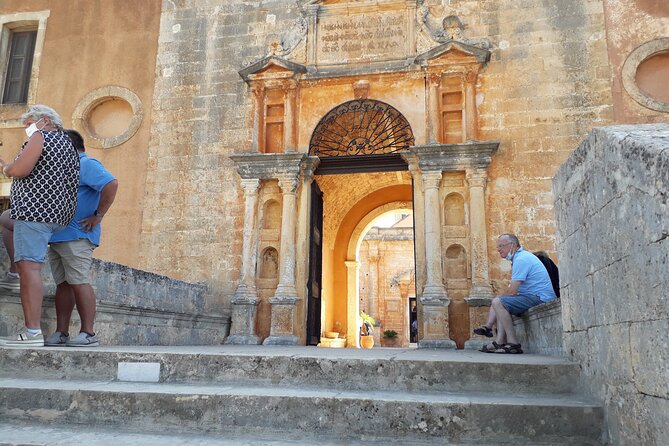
630 67
96 97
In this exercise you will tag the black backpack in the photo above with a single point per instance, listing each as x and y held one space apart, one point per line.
553 272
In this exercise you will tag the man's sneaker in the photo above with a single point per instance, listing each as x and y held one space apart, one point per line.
10 282
83 339
23 338
57 339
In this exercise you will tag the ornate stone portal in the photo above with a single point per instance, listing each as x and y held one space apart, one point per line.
357 65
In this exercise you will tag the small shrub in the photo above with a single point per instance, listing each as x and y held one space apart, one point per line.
390 334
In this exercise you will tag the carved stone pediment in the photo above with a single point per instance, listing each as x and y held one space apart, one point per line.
452 52
272 67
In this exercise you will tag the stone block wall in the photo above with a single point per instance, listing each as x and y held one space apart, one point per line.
612 208
133 308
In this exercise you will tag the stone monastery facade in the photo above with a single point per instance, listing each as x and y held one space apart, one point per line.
256 142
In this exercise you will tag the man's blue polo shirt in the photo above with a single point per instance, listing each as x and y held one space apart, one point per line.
92 179
535 281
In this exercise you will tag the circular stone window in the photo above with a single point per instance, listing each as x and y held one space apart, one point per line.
109 116
645 74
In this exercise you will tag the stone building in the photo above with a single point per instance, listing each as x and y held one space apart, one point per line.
256 142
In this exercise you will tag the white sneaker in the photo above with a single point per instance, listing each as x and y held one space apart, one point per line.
56 339
83 339
10 282
23 338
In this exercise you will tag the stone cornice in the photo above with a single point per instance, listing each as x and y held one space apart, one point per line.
254 70
481 55
266 166
446 157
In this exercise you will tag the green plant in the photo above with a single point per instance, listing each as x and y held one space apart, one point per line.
368 323
390 334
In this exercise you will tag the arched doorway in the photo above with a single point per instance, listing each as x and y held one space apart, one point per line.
359 144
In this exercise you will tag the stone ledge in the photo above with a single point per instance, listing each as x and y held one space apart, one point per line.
539 329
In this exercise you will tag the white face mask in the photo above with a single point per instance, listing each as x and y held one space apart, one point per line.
32 128
509 256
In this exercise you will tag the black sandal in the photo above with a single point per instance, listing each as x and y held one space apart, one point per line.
512 349
490 348
483 331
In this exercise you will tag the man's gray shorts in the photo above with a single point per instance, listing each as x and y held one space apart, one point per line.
71 261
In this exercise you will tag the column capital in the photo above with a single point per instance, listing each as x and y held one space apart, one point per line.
471 75
257 89
288 183
477 178
352 264
250 185
433 79
432 179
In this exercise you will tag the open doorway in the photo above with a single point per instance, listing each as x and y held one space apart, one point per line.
387 278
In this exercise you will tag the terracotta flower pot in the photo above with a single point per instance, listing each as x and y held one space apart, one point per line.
367 341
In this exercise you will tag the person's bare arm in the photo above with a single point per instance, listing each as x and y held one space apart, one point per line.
25 163
107 195
512 289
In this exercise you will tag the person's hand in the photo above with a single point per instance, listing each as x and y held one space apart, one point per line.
87 224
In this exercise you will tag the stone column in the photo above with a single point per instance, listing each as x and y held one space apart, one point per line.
285 298
245 301
290 119
258 136
419 235
479 244
471 124
433 119
434 299
312 18
481 294
353 305
411 25
373 309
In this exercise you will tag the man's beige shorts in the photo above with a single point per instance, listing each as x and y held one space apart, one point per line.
71 261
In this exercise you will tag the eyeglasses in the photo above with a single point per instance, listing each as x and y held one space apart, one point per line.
503 245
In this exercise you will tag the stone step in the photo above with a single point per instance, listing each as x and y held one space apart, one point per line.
31 434
378 369
164 407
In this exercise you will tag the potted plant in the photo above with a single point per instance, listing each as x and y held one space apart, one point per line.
366 329
390 338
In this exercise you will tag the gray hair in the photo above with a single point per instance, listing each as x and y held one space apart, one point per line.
39 111
512 238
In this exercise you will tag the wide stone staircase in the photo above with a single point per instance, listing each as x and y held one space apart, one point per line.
290 395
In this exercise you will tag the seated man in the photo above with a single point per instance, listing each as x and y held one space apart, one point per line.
530 286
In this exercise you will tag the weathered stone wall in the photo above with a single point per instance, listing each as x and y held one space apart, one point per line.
133 308
193 221
612 208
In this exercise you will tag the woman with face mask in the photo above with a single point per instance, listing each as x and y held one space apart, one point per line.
43 200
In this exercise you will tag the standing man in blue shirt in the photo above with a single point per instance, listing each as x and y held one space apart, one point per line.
530 286
71 250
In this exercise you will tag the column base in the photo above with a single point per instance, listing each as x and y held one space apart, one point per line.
242 340
434 293
281 340
476 344
435 323
436 343
481 291
244 312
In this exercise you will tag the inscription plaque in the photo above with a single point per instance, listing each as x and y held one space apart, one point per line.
364 37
